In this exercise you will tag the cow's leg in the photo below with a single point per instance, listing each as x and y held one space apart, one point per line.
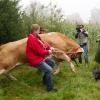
66 57
2 71
75 62
56 69
60 54
5 72
8 75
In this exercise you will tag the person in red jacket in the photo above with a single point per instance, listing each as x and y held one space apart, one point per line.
36 53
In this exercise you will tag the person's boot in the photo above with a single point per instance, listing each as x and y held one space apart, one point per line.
44 79
49 84
53 90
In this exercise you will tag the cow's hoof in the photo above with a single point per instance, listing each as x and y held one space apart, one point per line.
74 70
10 77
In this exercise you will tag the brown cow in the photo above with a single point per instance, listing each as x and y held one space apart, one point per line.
13 53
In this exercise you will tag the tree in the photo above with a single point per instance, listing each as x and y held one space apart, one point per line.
75 18
49 16
11 27
95 16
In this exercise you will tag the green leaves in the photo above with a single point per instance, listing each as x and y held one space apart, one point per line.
10 21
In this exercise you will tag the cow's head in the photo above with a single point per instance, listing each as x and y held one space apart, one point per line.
74 53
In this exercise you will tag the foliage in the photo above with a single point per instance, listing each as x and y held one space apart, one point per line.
10 21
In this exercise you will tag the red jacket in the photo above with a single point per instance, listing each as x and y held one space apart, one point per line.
36 50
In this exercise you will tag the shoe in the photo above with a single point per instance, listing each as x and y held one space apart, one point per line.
52 90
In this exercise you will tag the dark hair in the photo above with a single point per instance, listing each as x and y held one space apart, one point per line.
81 26
78 27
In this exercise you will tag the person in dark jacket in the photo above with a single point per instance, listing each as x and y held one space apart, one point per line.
97 56
82 37
96 70
36 52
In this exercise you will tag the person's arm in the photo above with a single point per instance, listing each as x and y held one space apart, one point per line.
47 45
85 33
37 47
76 35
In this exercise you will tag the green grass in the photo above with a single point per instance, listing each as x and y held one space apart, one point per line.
79 86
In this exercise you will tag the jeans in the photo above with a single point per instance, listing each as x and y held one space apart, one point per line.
46 67
50 62
85 48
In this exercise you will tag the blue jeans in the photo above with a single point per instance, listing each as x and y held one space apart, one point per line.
50 62
85 48
46 67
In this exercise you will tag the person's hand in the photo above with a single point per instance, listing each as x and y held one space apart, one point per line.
52 48
81 30
50 51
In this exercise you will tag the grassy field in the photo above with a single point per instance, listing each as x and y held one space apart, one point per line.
79 86
71 86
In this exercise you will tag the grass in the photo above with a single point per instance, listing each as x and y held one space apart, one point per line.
79 86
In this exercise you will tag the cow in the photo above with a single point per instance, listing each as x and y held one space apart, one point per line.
13 53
